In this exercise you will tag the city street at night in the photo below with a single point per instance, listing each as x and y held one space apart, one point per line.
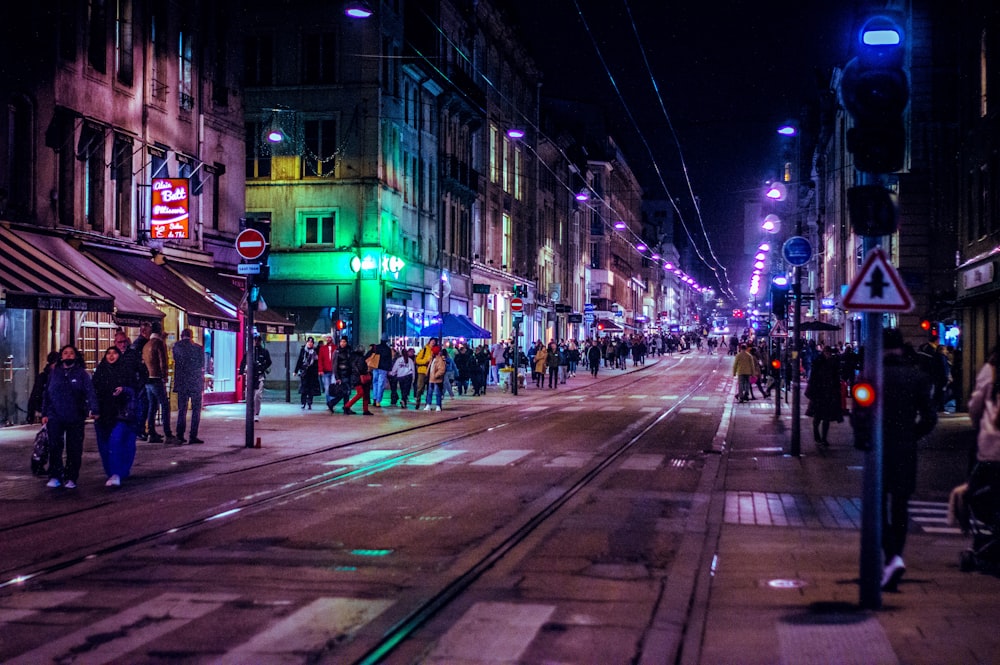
642 517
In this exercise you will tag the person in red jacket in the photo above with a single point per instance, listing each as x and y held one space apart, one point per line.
324 360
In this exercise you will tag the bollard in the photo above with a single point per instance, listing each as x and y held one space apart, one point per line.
257 443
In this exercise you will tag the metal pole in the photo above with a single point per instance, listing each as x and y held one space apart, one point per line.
796 448
517 360
251 379
871 502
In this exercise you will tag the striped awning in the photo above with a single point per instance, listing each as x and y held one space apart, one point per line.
31 278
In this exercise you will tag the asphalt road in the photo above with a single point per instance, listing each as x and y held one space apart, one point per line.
547 527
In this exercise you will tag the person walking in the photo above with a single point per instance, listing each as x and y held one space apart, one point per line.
154 357
423 362
594 358
38 388
984 412
142 399
259 367
115 425
324 357
552 361
189 384
435 379
68 401
307 369
380 373
340 384
744 366
462 361
823 392
361 379
908 414
450 373
402 371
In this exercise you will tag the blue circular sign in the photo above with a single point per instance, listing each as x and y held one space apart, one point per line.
797 251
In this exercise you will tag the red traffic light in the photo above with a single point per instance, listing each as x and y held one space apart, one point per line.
864 394
776 364
340 325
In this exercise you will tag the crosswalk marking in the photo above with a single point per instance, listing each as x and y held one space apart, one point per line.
611 408
126 631
530 409
572 460
434 457
642 462
361 459
579 407
932 517
324 621
491 633
20 606
502 458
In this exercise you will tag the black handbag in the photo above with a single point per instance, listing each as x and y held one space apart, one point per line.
40 452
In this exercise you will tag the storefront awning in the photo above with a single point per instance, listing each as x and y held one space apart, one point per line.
31 278
166 284
131 309
608 326
230 288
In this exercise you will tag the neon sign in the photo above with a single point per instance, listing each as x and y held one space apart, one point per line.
170 219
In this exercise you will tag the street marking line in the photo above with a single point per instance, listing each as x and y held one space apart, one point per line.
642 462
321 622
15 608
433 457
502 458
126 631
491 633
363 458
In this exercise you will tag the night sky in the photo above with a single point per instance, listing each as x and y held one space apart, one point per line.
729 74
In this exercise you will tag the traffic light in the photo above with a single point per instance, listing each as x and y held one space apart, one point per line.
875 89
862 416
873 210
340 325
779 293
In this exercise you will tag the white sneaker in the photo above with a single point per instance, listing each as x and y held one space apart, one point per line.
113 481
70 485
893 573
53 482
437 408
427 408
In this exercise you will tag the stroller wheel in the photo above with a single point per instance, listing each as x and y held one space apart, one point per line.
967 561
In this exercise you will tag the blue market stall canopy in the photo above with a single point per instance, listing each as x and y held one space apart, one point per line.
455 325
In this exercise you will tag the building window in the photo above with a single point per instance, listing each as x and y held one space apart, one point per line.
506 164
258 153
494 154
983 75
319 148
319 59
185 68
97 36
158 61
66 30
506 240
595 255
123 42
258 64
18 181
318 228
121 172
518 168
93 182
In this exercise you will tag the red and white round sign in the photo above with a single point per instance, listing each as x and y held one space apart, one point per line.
250 244
516 304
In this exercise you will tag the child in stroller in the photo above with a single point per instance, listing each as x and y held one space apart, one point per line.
982 496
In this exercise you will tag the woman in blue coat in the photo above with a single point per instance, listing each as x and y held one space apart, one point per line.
115 424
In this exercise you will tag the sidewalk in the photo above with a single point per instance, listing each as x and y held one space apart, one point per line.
784 585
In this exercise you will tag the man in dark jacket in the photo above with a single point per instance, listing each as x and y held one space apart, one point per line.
340 386
259 368
380 375
908 415
68 401
189 384
154 356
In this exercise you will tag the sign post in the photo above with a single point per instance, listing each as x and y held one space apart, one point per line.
516 306
250 245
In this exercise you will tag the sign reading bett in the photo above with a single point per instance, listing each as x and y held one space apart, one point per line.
170 218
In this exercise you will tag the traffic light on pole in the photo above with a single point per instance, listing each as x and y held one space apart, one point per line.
779 294
875 90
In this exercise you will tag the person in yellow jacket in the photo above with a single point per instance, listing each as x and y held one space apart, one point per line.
745 366
423 362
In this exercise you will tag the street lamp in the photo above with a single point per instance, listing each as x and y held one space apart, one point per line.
358 9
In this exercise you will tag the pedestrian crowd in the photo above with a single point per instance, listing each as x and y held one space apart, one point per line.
126 397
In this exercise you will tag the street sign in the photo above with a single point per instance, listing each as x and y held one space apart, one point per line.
250 244
516 305
248 269
588 307
518 319
797 251
878 287
779 330
480 288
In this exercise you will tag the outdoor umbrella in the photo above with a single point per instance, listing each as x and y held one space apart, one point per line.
478 332
818 326
453 325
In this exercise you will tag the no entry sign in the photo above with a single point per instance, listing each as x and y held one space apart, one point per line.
250 244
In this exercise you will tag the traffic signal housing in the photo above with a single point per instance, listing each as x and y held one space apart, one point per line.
779 297
875 90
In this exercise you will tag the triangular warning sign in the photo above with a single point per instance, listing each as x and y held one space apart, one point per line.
779 330
878 287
